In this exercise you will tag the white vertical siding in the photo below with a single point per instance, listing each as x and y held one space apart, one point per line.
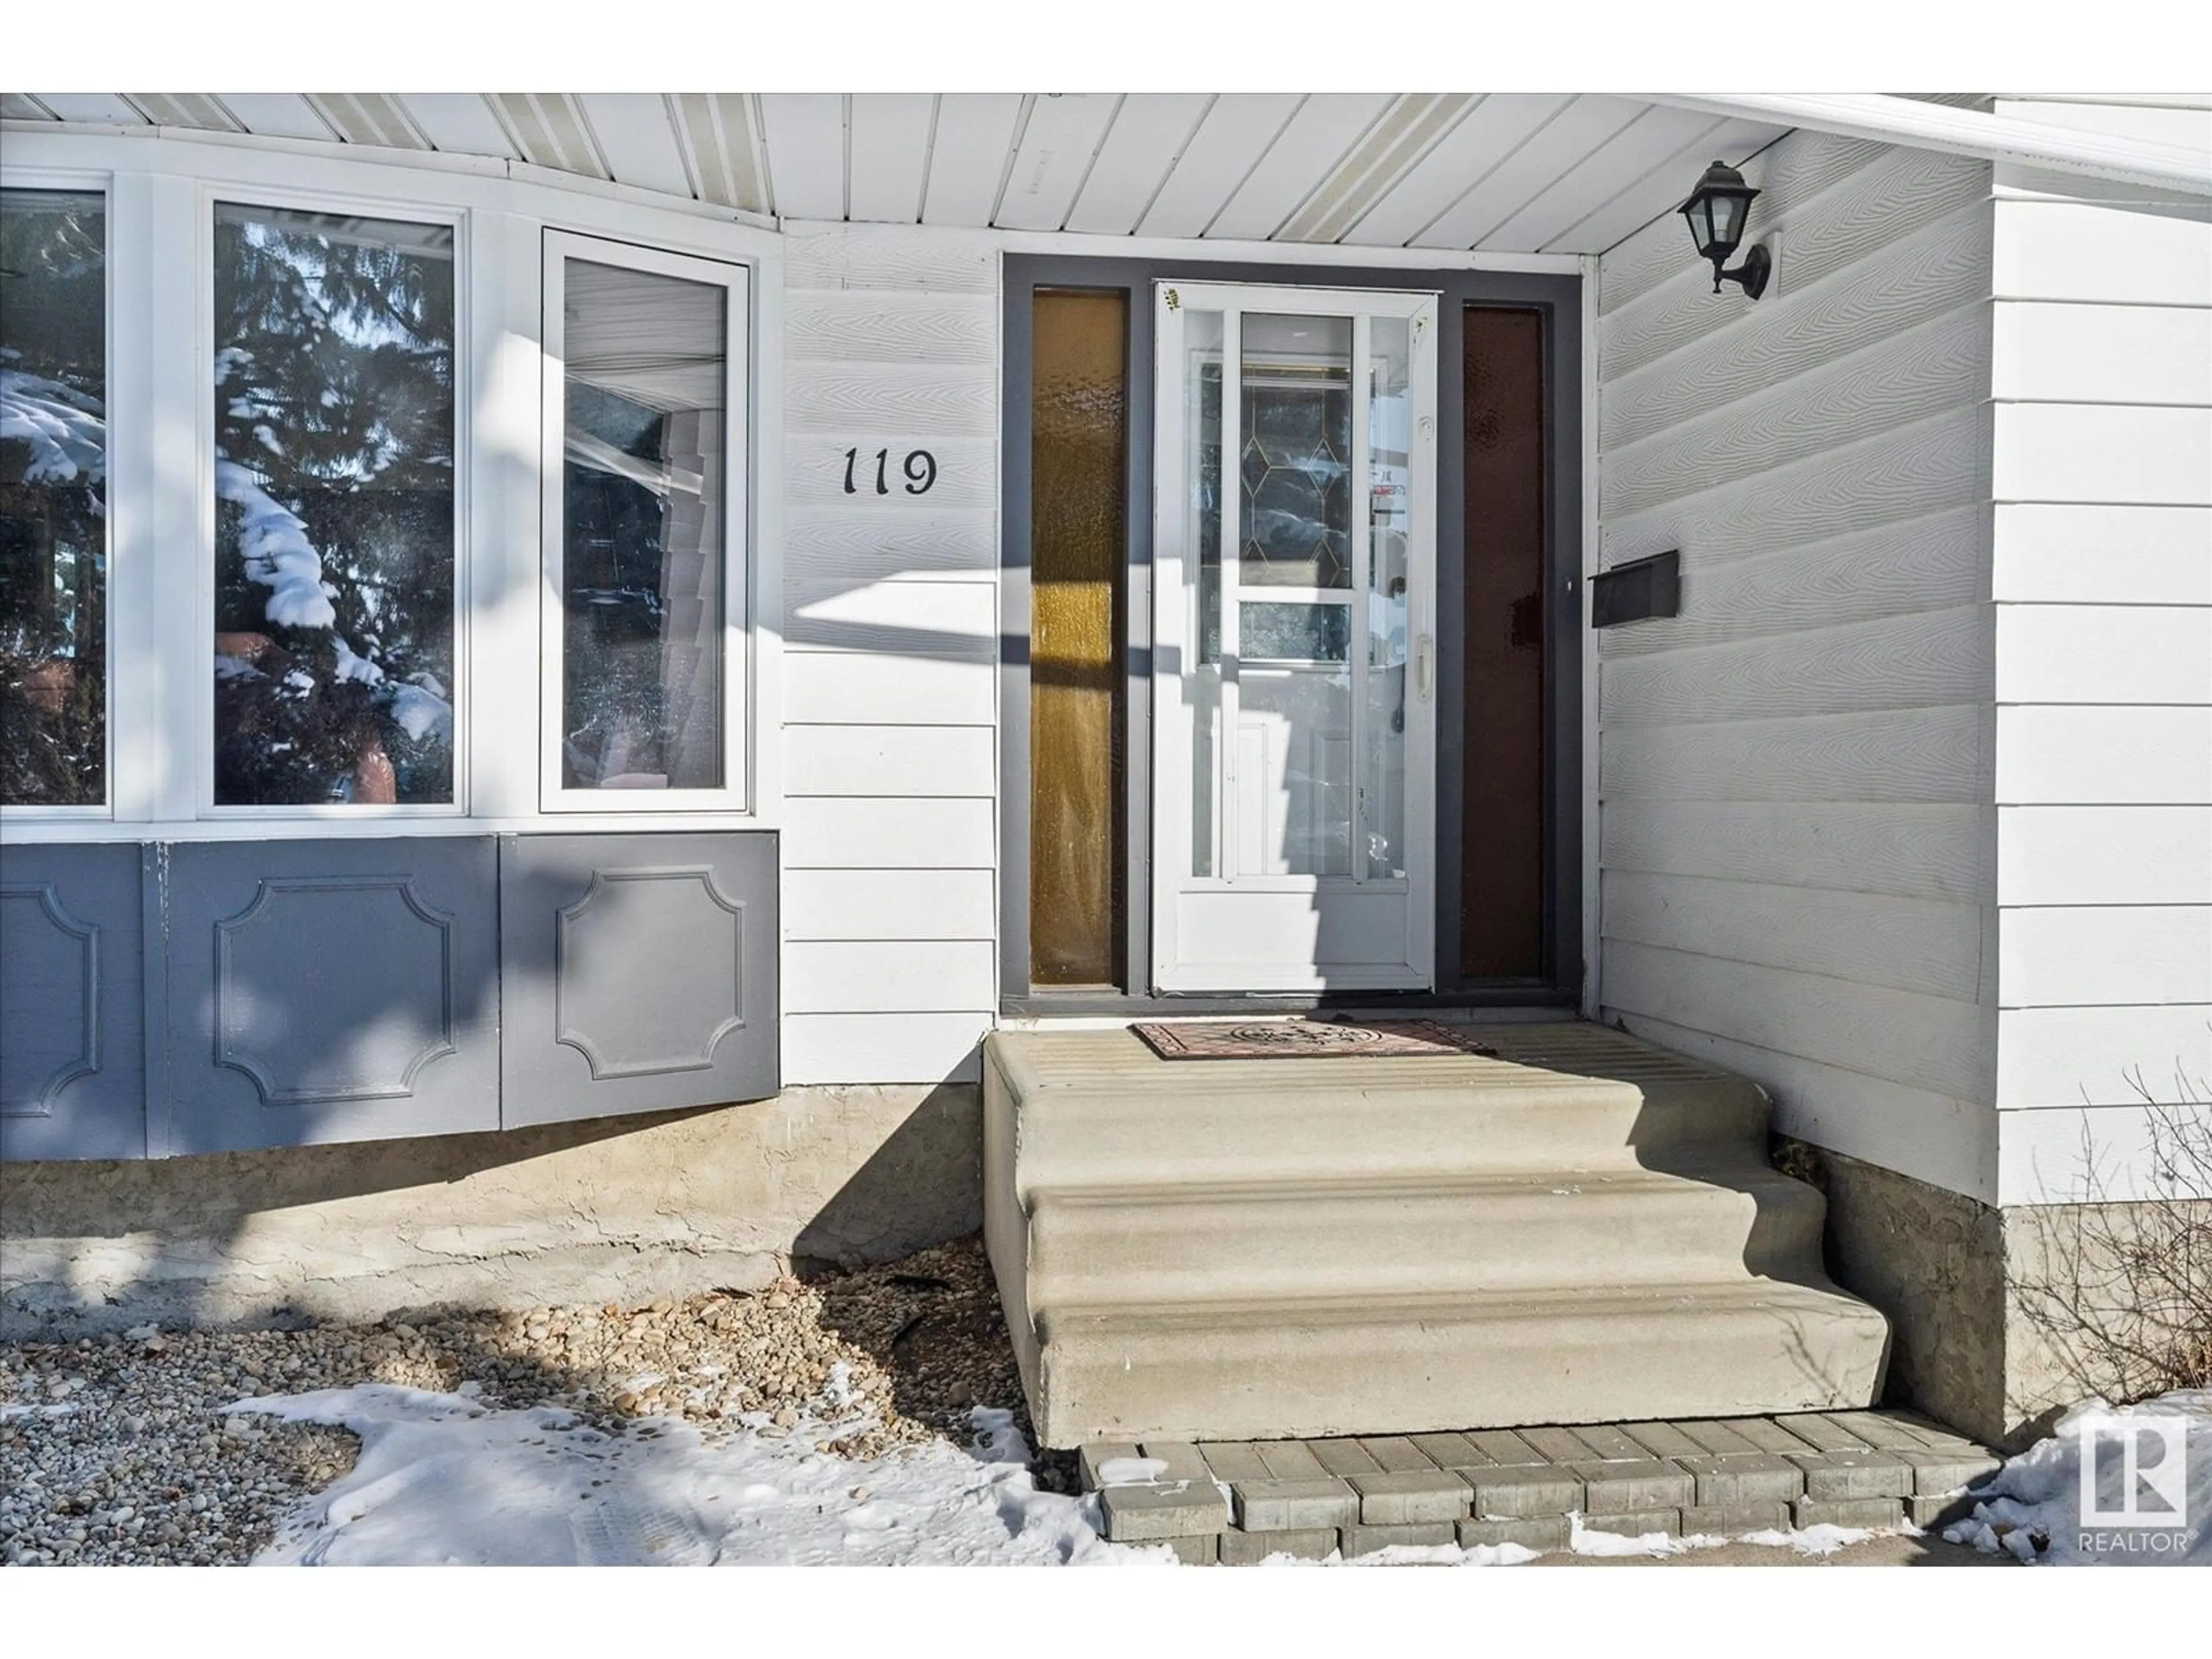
891 617
2102 575
1795 863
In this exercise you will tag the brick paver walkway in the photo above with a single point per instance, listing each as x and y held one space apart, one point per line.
1239 1503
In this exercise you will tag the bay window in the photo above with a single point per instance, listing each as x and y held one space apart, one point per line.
429 496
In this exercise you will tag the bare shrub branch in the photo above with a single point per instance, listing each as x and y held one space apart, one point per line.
2121 1290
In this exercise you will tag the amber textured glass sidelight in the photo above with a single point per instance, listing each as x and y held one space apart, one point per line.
1079 432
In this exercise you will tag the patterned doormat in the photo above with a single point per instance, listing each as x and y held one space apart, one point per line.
1307 1039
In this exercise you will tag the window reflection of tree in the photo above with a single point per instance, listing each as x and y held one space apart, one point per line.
53 480
334 407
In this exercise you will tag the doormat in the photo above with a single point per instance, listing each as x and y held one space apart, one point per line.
1308 1039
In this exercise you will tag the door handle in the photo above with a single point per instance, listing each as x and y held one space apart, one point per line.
1424 668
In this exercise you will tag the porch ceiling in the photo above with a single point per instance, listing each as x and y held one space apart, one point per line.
1502 172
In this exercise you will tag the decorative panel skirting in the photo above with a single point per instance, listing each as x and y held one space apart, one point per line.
640 972
330 990
72 1003
299 992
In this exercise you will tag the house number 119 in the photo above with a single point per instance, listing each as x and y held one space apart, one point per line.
919 467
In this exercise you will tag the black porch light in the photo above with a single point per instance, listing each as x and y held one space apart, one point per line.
1716 210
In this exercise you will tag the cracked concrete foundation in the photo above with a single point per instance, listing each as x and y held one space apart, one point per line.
616 1210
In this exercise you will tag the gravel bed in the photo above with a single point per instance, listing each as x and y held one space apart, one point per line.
115 1449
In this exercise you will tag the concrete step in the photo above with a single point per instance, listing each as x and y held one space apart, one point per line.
1419 1235
1583 1228
1097 1107
1275 1369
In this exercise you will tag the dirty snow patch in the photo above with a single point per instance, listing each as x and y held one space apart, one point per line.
2032 1508
442 1479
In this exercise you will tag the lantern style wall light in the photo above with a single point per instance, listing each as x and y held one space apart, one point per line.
1717 210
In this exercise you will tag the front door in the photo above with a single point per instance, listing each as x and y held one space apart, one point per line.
1294 658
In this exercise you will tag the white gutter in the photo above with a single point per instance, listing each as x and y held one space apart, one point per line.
1967 132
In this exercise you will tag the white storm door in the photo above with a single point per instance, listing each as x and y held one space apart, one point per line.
1294 688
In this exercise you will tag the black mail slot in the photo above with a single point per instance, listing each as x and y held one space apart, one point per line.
1638 591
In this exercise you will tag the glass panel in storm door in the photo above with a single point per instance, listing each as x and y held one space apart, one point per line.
1390 484
1201 680
1293 759
642 555
1295 461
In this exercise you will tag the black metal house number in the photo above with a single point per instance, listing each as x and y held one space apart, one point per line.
919 467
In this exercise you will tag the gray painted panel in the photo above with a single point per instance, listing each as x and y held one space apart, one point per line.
72 1032
639 973
330 991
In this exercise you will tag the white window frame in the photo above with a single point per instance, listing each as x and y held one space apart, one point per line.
79 181
279 199
160 189
561 247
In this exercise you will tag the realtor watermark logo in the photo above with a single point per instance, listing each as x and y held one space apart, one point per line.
2134 1486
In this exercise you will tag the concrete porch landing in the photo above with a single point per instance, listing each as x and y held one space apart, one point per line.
1582 1230
1237 1504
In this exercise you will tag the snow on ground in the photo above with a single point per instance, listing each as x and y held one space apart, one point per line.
2033 1508
442 1479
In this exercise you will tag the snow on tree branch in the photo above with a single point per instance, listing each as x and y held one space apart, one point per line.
65 431
277 553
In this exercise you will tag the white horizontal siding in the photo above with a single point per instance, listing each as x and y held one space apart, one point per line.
888 905
2120 654
1796 839
2101 566
2103 453
1898 756
2095 1056
1910 851
883 1048
2104 856
2091 354
2099 956
1907 943
890 760
951 399
890 621
1916 661
941 619
2075 251
892 976
2113 757
846 542
1934 1043
1916 565
2055 553
901 832
848 689
2045 1154
887 325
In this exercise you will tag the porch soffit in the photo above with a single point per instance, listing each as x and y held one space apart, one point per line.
1497 173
